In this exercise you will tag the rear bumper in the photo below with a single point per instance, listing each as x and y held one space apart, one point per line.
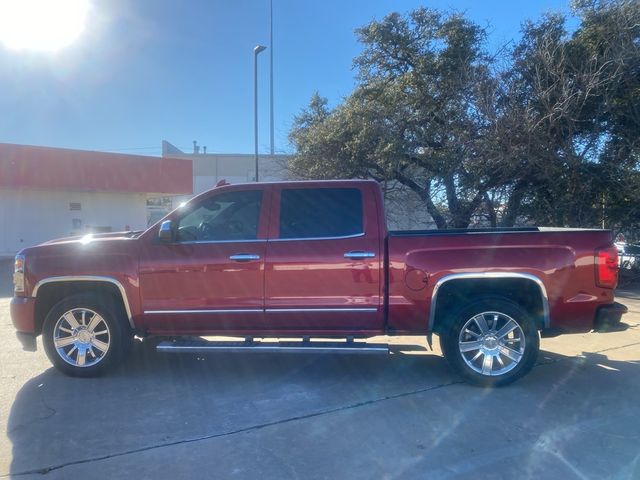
609 315
23 314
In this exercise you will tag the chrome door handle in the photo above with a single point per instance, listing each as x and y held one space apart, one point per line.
359 255
244 257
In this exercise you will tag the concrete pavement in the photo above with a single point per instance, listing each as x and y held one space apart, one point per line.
577 415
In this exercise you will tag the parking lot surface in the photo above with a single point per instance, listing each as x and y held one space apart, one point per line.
577 415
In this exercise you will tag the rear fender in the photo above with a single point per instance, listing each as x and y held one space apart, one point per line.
490 277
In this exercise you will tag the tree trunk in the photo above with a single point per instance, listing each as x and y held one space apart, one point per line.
432 209
425 194
513 205
491 211
461 214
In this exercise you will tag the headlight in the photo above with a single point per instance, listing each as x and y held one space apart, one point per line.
18 274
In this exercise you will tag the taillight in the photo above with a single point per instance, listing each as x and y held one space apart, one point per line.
607 267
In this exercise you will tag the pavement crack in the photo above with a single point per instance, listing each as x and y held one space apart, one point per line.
585 354
613 348
364 403
51 412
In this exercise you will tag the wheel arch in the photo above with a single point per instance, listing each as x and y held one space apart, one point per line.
525 289
49 291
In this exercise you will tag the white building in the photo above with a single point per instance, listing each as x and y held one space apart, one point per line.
48 193
211 168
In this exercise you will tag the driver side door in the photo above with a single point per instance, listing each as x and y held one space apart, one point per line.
211 277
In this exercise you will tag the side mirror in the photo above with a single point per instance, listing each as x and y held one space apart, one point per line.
165 234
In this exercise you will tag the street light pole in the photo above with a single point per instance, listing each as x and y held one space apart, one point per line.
256 51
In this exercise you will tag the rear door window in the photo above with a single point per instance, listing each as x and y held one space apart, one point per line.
320 212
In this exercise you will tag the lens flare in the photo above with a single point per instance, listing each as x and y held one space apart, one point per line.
41 25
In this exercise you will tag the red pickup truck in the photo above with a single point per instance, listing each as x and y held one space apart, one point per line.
312 260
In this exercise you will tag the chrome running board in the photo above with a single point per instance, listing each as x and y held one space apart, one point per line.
204 346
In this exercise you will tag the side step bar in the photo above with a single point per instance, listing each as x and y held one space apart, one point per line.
204 346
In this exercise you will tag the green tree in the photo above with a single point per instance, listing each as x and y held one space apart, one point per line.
544 132
417 117
574 97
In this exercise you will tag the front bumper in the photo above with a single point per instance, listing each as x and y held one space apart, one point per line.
23 317
23 313
609 316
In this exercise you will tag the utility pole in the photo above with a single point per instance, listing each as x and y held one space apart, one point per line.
271 70
256 51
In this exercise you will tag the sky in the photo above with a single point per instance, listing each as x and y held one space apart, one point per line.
146 70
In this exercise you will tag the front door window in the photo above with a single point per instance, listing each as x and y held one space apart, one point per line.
231 216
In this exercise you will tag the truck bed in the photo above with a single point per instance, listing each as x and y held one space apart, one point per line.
560 260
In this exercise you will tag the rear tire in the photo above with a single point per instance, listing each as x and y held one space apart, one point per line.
491 342
84 335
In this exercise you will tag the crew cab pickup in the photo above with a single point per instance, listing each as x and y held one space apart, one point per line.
312 260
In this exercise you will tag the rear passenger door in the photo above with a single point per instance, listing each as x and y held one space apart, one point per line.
323 264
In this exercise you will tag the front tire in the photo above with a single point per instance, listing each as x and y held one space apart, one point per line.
491 342
85 334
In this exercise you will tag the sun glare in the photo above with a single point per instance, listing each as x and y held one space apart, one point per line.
41 25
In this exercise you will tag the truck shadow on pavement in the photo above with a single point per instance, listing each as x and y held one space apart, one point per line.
155 400
6 277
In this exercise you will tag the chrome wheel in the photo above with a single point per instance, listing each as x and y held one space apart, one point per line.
491 343
81 337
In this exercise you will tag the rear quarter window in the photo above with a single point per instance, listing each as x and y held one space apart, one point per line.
320 212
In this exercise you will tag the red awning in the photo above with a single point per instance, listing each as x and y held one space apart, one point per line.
23 166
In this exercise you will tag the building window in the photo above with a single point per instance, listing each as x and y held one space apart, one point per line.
75 206
160 202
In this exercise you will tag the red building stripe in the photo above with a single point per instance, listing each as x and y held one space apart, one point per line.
24 166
